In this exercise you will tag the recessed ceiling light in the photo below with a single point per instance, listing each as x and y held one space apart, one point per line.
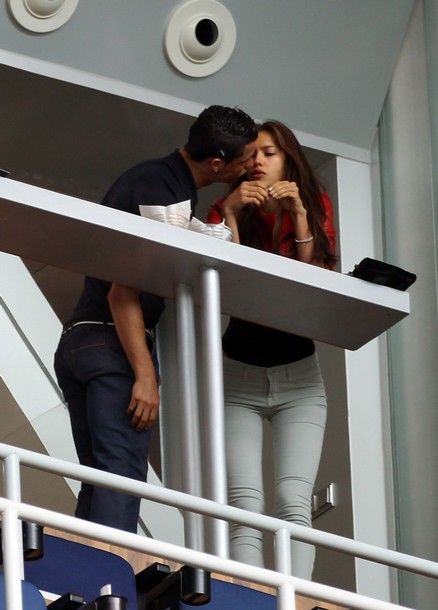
200 37
42 15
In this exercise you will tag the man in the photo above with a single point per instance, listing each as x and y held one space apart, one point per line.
105 362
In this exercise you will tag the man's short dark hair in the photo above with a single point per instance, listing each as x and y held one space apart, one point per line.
221 132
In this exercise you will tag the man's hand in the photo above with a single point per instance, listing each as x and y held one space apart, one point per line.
144 404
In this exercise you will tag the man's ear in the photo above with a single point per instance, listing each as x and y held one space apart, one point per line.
216 165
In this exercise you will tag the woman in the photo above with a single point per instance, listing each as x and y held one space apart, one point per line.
268 374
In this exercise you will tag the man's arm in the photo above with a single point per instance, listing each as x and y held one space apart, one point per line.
128 318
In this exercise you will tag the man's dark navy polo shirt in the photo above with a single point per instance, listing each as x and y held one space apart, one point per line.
155 182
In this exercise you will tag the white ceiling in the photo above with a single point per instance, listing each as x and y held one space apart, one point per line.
322 66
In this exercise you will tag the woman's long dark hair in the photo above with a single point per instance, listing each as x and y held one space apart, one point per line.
297 170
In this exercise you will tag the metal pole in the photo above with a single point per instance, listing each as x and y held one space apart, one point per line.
283 562
12 558
214 401
190 425
13 492
286 596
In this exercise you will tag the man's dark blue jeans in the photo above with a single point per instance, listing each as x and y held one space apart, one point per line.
96 380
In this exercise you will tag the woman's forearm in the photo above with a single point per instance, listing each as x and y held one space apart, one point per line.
304 240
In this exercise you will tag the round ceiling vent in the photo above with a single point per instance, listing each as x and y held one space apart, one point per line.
200 37
42 15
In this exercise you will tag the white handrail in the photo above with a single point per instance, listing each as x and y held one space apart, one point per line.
286 585
212 509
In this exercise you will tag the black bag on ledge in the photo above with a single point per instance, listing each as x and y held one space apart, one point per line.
382 273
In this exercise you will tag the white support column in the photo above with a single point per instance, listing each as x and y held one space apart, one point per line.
214 400
13 492
12 559
283 559
369 445
286 597
189 418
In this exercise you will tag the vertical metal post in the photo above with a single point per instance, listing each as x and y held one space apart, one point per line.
13 492
283 562
190 425
214 401
12 558
286 596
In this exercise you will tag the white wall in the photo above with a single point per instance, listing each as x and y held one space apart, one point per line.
409 171
431 30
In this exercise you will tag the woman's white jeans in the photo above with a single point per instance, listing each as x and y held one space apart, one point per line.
292 398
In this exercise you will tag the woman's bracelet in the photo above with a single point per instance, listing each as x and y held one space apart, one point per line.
304 241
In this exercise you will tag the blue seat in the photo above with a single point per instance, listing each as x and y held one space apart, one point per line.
77 568
32 598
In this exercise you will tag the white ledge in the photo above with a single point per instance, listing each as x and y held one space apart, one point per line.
275 291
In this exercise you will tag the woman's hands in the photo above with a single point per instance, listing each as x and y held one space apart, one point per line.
247 193
287 194
280 197
259 194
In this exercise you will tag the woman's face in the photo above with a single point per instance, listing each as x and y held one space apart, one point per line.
269 160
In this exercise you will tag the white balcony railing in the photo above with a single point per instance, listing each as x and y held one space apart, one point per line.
12 510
